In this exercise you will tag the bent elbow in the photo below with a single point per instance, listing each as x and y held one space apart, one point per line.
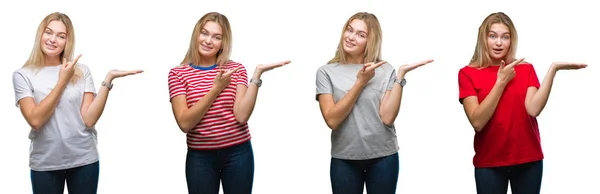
533 113
332 125
477 126
241 120
387 121
36 125
89 124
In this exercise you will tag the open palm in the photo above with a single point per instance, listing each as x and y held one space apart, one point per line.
568 66
407 68
268 67
120 73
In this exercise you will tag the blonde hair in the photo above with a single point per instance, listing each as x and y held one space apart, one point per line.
37 57
372 51
481 56
193 55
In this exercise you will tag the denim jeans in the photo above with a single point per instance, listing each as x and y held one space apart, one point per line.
80 180
380 175
233 166
524 179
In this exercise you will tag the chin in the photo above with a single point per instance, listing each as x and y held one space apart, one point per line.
205 54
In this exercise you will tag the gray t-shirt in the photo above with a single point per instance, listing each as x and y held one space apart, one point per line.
64 141
362 135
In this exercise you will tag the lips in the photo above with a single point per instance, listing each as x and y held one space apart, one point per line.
51 46
498 49
349 44
206 48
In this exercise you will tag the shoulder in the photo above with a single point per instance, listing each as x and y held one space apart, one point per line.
178 69
233 64
83 67
327 67
387 66
22 71
526 66
467 69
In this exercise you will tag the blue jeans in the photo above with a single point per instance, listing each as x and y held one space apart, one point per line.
80 180
524 179
379 174
233 166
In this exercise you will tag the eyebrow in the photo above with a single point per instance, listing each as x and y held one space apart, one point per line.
350 26
204 29
48 28
499 33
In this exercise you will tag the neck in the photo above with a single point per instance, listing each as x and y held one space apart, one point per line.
496 62
51 60
203 62
354 59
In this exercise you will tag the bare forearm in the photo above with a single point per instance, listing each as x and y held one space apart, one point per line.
246 106
192 116
391 106
338 113
483 113
43 111
94 111
540 98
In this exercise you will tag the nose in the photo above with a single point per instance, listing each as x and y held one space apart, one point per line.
352 36
498 42
209 40
53 38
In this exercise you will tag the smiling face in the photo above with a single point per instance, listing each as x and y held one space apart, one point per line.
210 39
498 41
54 39
355 38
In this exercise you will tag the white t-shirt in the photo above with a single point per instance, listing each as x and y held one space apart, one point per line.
64 141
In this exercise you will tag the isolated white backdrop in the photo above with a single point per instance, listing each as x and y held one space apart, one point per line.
143 151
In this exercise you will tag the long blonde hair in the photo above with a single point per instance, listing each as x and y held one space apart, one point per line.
372 51
481 56
193 55
37 57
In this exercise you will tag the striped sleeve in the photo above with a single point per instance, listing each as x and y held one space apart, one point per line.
176 85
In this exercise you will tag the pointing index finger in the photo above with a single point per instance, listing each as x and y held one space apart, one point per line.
511 65
76 59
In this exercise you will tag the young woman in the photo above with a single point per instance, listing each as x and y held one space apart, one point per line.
212 102
502 97
359 96
60 103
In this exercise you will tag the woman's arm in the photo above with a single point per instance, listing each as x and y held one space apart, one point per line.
37 115
390 104
92 107
335 113
188 118
246 96
536 100
480 114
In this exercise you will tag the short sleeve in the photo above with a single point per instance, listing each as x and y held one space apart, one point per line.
89 80
465 86
22 87
241 76
533 78
323 82
176 85
392 80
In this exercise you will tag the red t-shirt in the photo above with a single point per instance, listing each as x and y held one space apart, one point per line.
511 136
218 128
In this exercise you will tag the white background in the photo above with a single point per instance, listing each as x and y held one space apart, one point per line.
143 151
